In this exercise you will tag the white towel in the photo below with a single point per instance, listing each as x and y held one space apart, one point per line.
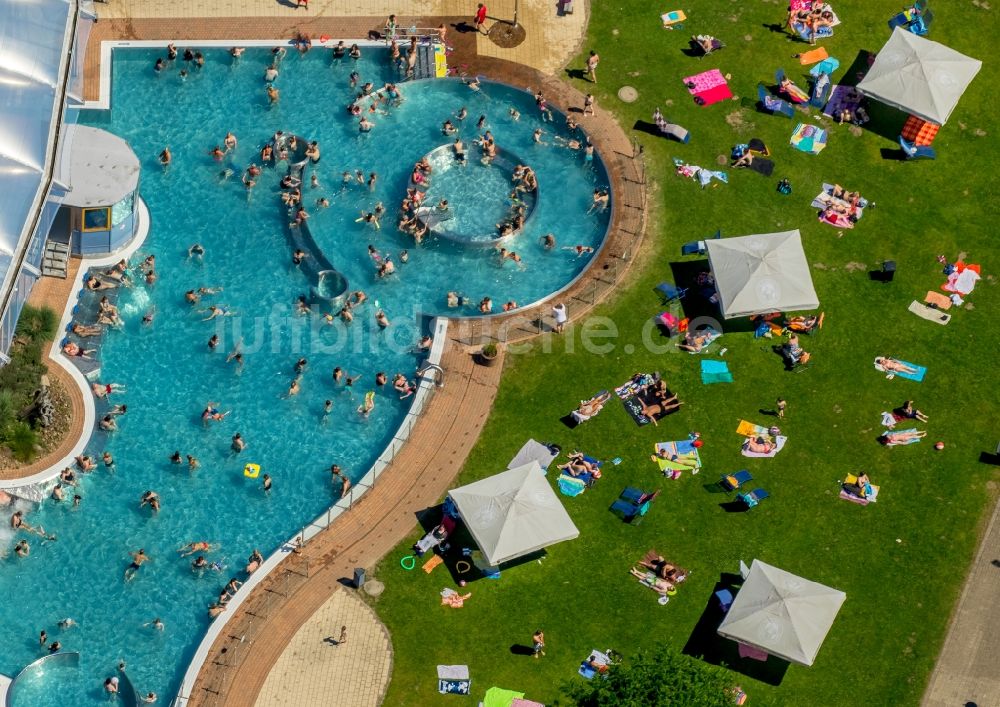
888 420
966 281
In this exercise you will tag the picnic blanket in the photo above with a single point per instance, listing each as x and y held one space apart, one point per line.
708 87
931 314
713 371
453 679
921 371
672 18
703 176
913 440
571 485
841 98
779 444
808 138
675 457
633 405
963 280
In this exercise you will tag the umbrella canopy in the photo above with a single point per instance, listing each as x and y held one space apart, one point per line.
919 76
782 613
513 513
763 273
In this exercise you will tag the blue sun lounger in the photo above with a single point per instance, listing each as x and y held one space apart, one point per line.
732 482
916 152
772 104
752 498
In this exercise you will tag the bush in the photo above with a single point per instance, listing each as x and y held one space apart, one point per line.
22 440
490 350
661 678
8 410
40 323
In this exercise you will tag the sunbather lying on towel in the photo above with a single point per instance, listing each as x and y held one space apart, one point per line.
657 390
794 93
589 408
706 42
658 585
891 365
578 465
659 408
804 325
695 341
889 438
759 445
744 160
662 568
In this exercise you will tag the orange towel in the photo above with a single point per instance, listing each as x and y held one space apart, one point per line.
432 563
938 300
813 56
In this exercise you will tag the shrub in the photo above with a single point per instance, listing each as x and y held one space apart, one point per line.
490 350
22 440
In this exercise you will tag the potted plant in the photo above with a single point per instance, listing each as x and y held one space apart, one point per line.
488 354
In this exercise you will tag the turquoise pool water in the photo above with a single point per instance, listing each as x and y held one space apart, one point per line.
170 374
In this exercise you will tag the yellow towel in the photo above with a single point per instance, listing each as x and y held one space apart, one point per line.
432 563
748 429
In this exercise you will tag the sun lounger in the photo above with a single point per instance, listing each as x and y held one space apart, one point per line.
753 498
779 444
771 104
918 376
732 482
631 507
671 292
916 152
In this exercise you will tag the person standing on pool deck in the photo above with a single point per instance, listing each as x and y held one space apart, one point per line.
559 312
343 636
588 104
480 19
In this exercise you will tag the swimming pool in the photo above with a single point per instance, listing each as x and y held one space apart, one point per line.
170 374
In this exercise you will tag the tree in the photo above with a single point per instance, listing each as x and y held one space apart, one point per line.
660 678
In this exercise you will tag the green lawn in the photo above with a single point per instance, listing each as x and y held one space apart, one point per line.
901 561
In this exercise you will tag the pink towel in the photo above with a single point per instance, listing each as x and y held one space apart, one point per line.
704 81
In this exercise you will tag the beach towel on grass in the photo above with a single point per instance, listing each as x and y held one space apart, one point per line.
841 98
852 480
963 280
571 485
808 138
929 313
779 443
633 405
903 444
713 371
712 335
500 697
921 371
702 176
687 456
704 81
634 384
454 679
762 166
812 56
748 429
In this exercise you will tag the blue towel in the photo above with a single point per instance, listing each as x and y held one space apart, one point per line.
570 486
715 372
921 371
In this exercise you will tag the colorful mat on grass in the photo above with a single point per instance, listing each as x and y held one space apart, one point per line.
713 371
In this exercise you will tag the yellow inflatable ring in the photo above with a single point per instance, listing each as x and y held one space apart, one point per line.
251 471
462 569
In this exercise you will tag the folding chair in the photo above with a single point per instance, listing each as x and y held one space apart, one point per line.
752 498
732 482
671 292
916 152
772 105
630 507
699 247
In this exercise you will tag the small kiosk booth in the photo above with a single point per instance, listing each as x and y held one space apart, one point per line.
101 175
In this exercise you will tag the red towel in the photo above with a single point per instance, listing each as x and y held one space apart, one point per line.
714 95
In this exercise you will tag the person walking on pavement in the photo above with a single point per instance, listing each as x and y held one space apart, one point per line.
481 19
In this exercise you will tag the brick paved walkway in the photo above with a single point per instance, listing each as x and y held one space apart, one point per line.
966 671
334 677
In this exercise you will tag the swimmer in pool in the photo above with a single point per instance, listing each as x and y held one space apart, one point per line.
138 559
196 251
368 405
381 319
212 413
197 546
156 623
580 250
152 499
217 311
294 388
199 564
